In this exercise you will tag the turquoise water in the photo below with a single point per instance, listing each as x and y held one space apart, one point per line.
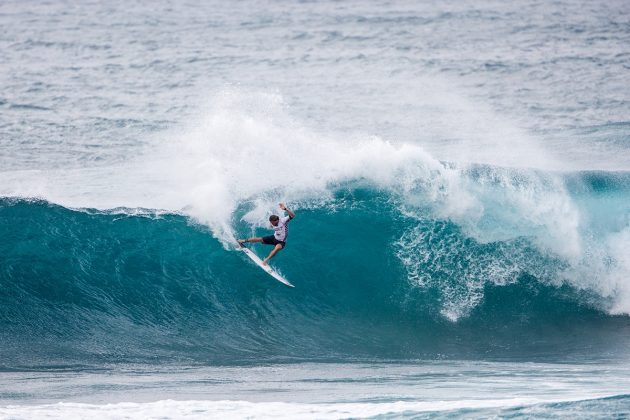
459 171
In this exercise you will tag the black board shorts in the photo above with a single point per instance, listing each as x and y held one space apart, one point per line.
271 240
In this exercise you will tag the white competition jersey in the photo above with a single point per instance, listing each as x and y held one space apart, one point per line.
281 231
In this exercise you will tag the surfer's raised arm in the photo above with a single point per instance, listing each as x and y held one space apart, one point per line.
288 210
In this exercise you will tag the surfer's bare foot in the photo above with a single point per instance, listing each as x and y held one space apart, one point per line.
265 261
242 241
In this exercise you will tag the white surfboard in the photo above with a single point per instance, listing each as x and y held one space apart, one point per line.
260 264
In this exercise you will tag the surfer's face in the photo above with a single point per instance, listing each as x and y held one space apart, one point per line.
274 223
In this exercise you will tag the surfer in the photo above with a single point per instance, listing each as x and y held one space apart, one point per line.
279 237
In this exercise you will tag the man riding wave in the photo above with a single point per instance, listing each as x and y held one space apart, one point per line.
280 234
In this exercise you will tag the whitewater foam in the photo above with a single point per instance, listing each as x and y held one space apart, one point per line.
261 410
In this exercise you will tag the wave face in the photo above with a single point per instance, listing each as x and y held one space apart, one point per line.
377 275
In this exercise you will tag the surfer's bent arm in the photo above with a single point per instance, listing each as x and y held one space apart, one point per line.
288 210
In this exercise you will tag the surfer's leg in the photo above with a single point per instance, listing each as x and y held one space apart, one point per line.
273 252
250 240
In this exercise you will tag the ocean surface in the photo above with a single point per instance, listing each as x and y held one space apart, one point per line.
460 173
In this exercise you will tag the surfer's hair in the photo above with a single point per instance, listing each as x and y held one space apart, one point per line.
273 218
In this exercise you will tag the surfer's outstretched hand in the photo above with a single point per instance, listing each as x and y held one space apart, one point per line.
282 206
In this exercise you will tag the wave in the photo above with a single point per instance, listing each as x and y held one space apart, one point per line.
395 253
138 285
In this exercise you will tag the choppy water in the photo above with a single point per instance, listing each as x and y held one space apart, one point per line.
460 171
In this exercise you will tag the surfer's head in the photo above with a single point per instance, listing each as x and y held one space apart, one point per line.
274 219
